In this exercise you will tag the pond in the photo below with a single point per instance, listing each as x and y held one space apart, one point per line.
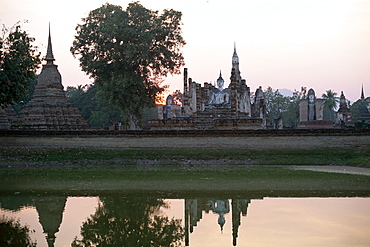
144 219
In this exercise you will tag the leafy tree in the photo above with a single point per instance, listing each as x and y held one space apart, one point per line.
18 64
18 106
278 105
177 97
94 108
127 52
130 222
291 114
13 234
330 103
303 92
275 103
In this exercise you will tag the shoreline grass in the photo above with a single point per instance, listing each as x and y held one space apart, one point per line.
83 171
82 179
176 156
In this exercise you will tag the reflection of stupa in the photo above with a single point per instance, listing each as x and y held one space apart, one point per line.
50 210
49 108
194 209
221 207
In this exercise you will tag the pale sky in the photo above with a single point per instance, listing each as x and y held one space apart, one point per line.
320 44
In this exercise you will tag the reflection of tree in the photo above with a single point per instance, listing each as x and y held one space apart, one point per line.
13 234
130 222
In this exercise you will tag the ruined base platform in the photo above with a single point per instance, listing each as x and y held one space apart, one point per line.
206 124
316 124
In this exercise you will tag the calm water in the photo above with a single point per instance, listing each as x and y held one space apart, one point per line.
132 220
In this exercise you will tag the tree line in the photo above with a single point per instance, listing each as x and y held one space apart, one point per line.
127 53
287 107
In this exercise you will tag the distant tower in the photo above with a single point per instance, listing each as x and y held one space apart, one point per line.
49 108
363 111
235 65
343 113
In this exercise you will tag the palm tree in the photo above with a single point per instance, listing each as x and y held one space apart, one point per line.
330 102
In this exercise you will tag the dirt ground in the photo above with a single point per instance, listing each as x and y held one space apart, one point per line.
264 142
252 143
336 169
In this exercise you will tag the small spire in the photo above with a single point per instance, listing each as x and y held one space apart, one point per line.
235 59
49 53
362 92
220 74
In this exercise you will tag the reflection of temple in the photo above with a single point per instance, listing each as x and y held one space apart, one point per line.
194 211
50 211
211 107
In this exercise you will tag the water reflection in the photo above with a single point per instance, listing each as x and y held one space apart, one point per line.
144 220
194 209
130 222
49 210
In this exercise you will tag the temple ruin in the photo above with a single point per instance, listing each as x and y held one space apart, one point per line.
311 113
363 111
210 107
49 108
344 114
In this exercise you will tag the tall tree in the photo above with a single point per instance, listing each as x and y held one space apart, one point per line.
12 233
127 52
275 103
330 103
177 97
130 222
94 108
278 105
18 63
291 113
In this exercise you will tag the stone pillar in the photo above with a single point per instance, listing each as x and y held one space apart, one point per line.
303 110
319 109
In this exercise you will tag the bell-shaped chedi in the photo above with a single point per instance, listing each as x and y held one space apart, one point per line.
49 108
344 113
50 211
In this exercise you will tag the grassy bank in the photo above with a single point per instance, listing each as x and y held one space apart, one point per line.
82 179
85 171
178 156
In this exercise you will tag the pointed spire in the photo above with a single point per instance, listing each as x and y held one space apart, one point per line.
49 53
362 92
220 74
235 59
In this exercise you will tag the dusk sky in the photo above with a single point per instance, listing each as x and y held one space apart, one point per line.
320 44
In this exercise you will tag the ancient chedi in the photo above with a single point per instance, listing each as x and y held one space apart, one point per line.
49 108
344 114
363 111
219 108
